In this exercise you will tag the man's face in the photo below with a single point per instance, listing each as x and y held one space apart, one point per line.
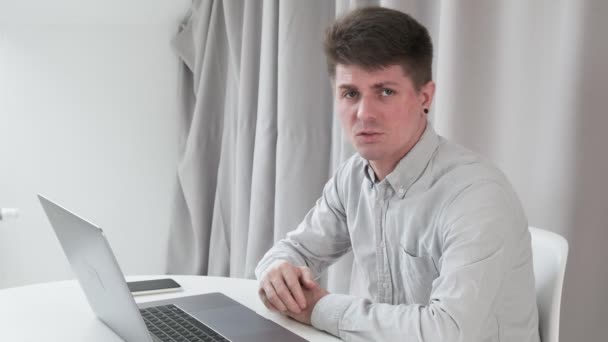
380 110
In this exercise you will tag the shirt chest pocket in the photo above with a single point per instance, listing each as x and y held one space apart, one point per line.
417 274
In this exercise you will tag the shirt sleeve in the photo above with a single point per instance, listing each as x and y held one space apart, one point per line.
479 230
320 239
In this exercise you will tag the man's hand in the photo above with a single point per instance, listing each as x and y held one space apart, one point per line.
313 295
290 290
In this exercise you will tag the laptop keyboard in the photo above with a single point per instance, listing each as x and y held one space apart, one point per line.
171 324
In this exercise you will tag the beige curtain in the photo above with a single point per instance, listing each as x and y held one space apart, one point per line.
520 81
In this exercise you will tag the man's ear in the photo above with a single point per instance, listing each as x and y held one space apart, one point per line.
426 94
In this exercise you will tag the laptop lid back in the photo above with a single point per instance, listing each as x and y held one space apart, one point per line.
98 272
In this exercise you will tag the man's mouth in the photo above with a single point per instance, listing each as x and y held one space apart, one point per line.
368 133
368 137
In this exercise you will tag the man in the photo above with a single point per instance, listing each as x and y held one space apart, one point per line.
441 245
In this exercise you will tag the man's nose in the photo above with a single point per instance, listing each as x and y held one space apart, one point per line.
367 108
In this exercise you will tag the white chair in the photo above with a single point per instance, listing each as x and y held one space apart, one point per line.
550 252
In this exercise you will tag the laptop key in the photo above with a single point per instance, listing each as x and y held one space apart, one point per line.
170 323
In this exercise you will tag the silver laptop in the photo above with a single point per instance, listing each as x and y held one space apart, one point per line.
207 317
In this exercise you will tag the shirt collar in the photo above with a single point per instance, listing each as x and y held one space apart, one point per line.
369 173
412 165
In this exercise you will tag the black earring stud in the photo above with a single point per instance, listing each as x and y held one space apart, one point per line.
426 110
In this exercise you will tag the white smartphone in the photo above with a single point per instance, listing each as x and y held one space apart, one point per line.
154 286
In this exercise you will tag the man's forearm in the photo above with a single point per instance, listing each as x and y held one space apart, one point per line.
356 319
283 250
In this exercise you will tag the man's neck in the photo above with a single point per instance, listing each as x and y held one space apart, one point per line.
384 167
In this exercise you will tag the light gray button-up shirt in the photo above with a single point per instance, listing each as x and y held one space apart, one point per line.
441 250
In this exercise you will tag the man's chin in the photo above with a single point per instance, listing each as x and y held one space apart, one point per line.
370 154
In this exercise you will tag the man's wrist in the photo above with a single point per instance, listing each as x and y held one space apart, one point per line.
329 311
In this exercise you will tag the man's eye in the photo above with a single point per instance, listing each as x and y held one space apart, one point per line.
350 94
387 92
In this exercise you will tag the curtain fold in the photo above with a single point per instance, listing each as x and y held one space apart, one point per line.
244 180
518 81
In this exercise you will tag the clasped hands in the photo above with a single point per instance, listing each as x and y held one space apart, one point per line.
290 290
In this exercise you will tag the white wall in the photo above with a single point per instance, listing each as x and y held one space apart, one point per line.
88 108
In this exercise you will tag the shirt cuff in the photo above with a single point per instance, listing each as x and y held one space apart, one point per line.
328 312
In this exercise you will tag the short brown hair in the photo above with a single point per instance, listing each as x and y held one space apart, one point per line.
376 37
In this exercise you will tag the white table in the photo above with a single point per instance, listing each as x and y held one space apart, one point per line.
59 311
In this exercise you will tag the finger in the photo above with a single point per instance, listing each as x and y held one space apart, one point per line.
308 278
291 315
284 294
273 297
293 282
266 302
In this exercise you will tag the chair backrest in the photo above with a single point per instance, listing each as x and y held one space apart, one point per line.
550 252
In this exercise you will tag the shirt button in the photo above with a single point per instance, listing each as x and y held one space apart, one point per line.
401 191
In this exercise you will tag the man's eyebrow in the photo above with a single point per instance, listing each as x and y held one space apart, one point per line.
384 84
346 86
378 85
